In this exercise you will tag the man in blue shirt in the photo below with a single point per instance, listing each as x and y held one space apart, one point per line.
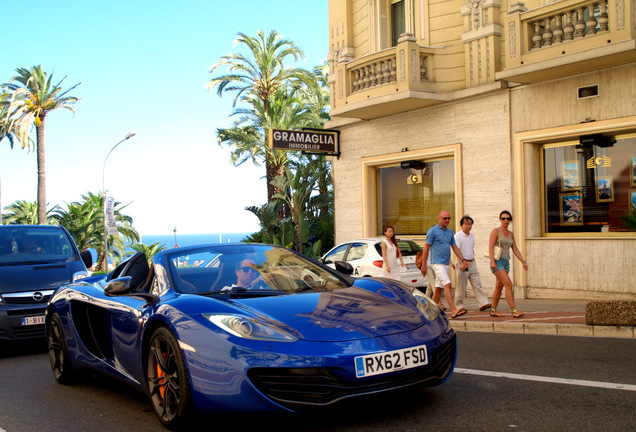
439 240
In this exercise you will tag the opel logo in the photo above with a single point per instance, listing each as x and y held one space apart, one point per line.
38 296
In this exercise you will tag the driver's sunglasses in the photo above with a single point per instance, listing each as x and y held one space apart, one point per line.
506 218
246 269
446 218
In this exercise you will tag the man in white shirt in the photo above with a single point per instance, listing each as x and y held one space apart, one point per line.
465 240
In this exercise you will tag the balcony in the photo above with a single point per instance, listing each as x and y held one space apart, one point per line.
567 38
387 82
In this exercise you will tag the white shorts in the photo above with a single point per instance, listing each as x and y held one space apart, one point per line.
430 274
441 275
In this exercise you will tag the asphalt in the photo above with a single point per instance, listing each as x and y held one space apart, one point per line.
542 317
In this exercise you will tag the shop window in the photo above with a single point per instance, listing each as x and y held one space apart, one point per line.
589 184
409 196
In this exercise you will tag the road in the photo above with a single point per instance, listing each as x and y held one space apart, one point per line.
503 382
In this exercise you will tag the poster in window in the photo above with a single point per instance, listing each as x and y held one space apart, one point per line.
632 170
632 199
570 175
571 207
605 189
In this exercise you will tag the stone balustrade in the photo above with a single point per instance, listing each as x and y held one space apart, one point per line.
375 73
581 21
381 71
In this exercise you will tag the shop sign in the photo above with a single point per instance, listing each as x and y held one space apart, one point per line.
304 140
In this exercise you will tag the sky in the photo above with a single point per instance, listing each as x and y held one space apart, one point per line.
143 66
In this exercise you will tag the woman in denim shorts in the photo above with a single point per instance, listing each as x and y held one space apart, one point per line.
504 238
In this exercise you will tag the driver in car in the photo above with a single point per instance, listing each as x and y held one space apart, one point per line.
246 276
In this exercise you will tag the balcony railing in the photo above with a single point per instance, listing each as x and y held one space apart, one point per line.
566 38
388 77
572 24
384 70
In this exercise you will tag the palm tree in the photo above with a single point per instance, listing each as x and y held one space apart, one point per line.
150 250
33 96
85 222
116 243
296 189
258 80
247 138
24 213
82 220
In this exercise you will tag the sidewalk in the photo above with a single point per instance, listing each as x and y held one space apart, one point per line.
544 317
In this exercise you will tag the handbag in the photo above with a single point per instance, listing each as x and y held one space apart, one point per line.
496 249
418 259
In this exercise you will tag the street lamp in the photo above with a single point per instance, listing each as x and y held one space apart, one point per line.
175 237
127 137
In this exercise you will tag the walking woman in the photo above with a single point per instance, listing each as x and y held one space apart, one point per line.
390 255
505 239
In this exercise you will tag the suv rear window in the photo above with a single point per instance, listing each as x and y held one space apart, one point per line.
407 247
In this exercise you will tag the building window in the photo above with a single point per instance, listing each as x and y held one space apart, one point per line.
398 20
588 185
391 22
410 195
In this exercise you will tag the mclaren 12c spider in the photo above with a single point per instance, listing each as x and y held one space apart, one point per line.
244 327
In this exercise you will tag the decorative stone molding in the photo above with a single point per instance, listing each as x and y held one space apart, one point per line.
512 37
620 14
477 23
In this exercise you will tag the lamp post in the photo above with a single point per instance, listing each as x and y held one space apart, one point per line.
127 137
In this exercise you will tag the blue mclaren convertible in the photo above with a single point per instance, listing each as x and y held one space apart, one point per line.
246 327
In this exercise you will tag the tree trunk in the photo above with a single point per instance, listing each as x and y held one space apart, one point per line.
272 171
42 220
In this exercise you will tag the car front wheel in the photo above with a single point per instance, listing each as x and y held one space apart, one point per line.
62 369
168 382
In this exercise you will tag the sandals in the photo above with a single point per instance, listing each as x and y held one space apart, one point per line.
516 313
459 313
441 306
493 313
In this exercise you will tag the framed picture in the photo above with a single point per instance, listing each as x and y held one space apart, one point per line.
605 189
570 175
632 199
571 206
632 170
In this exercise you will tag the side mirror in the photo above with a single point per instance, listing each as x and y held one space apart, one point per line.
118 286
344 267
87 258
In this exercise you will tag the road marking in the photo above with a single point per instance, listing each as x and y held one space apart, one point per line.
584 383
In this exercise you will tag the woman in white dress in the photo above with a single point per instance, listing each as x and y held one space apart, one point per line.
390 255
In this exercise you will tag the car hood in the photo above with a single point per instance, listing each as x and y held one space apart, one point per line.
341 315
36 277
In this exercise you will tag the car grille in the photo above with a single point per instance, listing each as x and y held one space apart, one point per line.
28 332
27 297
324 386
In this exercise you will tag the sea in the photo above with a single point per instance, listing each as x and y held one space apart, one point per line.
169 240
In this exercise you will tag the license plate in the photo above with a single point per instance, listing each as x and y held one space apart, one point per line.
34 320
411 267
391 361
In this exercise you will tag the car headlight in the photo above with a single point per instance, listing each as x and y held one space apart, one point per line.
249 328
426 306
79 275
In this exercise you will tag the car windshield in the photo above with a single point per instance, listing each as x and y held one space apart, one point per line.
247 269
34 245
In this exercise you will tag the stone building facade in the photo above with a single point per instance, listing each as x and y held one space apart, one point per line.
489 105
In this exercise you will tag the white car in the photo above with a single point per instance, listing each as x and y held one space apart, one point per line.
365 255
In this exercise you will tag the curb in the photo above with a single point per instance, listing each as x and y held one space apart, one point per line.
628 332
